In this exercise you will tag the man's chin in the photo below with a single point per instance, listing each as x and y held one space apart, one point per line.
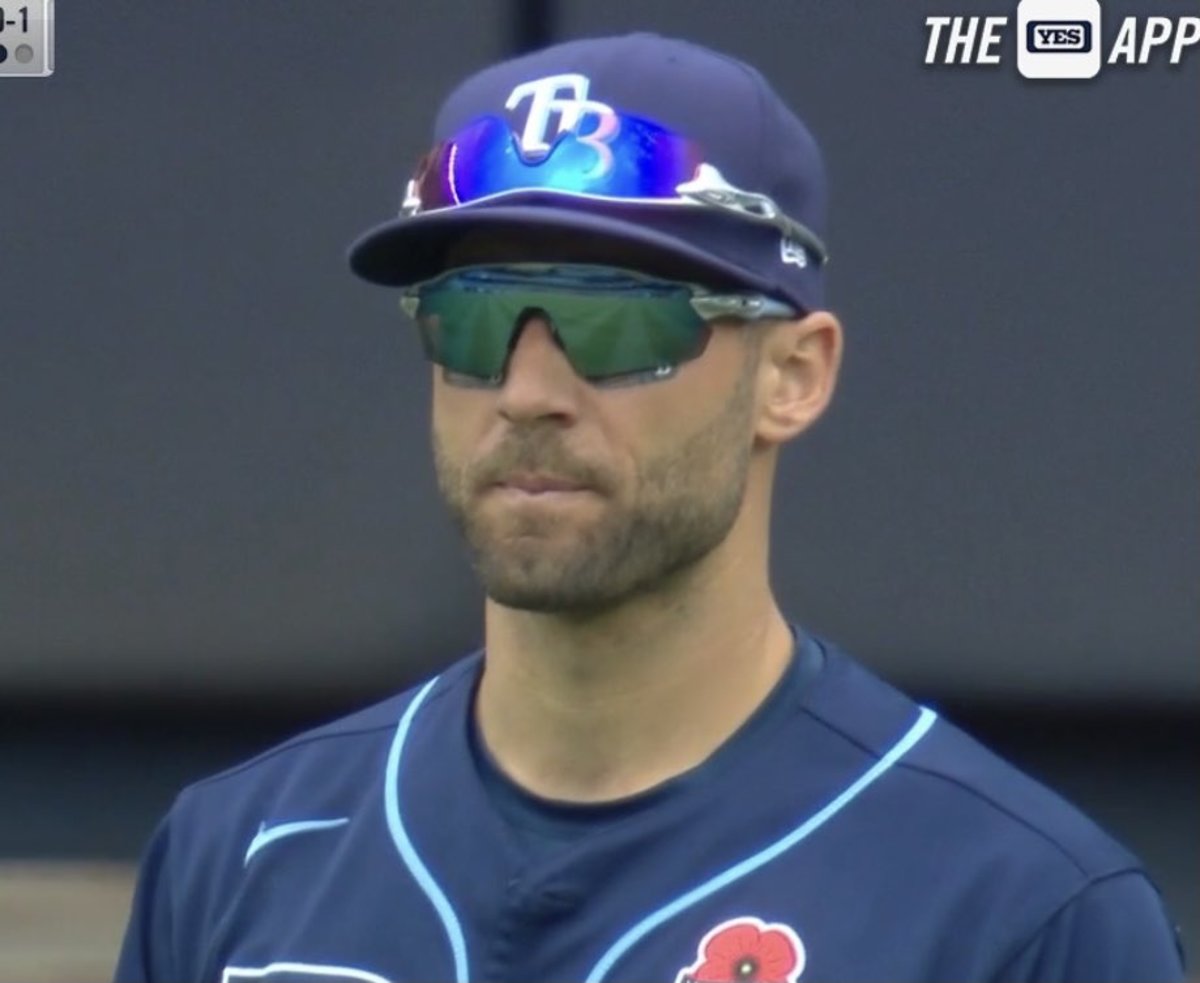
549 590
548 600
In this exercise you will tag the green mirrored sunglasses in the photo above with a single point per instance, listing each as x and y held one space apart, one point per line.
613 325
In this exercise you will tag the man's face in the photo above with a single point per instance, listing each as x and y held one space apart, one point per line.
573 497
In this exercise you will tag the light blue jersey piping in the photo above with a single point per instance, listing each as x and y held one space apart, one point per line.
925 720
391 805
739 870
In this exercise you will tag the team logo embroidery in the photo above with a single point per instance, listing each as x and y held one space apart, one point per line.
790 251
567 96
747 950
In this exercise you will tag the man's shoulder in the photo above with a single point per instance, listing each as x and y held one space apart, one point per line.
971 790
1008 873
330 760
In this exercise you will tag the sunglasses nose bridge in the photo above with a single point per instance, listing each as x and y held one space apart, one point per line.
534 316
535 349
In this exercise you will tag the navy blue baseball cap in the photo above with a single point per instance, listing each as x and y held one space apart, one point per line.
655 143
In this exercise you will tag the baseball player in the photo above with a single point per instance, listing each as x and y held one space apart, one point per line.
612 255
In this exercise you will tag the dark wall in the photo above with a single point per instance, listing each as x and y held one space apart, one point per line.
214 469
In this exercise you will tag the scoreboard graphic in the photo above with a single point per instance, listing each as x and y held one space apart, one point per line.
26 38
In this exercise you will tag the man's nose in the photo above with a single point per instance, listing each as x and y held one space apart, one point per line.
539 380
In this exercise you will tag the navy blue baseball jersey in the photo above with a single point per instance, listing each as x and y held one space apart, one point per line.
843 833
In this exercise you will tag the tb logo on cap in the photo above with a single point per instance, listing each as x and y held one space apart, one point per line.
566 95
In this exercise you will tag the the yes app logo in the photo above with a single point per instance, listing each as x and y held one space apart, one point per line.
1058 39
1058 35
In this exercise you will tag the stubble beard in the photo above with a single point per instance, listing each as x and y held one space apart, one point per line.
684 503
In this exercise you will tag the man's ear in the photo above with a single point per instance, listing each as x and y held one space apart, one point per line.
797 372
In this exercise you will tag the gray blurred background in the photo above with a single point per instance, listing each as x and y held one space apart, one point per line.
219 523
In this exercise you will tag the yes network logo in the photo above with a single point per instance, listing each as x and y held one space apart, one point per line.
1059 39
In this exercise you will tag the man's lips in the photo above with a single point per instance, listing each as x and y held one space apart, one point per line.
532 483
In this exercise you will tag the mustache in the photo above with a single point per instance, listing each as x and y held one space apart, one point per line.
538 452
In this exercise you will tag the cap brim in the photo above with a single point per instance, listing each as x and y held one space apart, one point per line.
404 251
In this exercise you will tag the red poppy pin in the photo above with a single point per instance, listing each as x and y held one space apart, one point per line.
747 950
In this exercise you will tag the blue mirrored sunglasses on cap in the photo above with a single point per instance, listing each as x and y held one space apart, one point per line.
614 326
627 160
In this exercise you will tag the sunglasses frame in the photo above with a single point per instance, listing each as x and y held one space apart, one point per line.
575 278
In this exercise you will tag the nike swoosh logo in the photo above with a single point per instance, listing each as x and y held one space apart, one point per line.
267 835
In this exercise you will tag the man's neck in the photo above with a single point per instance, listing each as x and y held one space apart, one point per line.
602 709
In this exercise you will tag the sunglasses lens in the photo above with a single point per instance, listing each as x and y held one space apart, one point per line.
625 157
462 331
630 335
469 330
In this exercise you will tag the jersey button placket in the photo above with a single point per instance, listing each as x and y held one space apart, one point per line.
527 914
